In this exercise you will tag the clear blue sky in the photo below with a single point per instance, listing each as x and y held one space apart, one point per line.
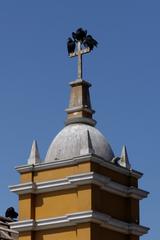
124 70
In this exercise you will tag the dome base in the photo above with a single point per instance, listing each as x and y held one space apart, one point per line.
83 120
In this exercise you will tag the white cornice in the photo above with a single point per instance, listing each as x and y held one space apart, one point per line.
72 219
73 181
25 225
70 162
116 168
28 187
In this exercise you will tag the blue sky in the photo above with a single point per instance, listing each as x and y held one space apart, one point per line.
124 71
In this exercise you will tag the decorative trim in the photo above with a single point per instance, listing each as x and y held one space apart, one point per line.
78 109
80 82
70 162
23 188
25 225
67 220
72 219
85 120
73 181
120 169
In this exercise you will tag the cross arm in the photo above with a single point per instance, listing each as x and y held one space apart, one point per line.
81 52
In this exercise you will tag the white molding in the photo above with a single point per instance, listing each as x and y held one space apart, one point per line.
28 187
70 162
120 169
73 219
25 225
67 220
73 181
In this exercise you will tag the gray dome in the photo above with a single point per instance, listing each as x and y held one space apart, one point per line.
76 140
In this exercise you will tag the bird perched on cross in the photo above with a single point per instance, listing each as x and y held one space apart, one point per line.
81 36
80 43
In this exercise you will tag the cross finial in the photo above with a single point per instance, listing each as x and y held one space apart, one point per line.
79 54
83 44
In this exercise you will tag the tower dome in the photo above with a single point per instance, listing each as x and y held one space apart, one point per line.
77 140
79 137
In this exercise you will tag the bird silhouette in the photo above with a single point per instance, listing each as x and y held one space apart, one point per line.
11 213
71 45
79 35
90 42
116 160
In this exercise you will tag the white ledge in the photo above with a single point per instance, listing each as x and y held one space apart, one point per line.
25 225
73 219
77 160
73 181
28 187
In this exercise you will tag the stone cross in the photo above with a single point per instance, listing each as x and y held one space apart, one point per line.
80 51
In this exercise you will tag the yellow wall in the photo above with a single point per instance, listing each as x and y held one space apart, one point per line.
54 204
100 233
28 235
55 173
85 231
58 234
124 209
81 198
115 176
62 172
79 232
26 177
26 207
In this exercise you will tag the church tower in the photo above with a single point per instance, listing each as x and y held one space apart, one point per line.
81 191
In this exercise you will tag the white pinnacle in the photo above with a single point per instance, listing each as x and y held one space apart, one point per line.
87 148
90 147
124 161
34 154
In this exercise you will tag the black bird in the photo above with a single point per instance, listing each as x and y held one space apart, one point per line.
116 160
71 45
90 42
11 213
74 36
79 35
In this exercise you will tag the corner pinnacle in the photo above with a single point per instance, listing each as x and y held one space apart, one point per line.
88 148
124 161
34 156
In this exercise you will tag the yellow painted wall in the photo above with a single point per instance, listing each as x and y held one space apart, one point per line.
82 198
63 202
58 234
26 208
28 235
26 177
115 176
134 210
124 209
62 172
100 233
79 232
85 231
55 173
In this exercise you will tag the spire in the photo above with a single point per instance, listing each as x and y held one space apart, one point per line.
80 110
124 161
34 154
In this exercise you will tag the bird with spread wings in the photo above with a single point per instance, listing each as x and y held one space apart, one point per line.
81 36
